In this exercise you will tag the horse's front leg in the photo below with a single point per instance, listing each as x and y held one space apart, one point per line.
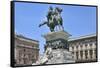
59 27
62 27
55 28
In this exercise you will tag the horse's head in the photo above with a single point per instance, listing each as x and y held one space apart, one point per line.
58 9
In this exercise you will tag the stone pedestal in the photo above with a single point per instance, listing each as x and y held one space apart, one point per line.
56 48
57 40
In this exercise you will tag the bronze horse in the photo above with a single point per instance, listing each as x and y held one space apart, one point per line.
53 19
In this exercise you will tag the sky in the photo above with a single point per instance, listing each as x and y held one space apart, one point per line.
77 20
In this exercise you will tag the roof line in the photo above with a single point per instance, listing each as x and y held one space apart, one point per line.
82 37
21 36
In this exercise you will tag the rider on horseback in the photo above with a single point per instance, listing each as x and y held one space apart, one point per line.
53 19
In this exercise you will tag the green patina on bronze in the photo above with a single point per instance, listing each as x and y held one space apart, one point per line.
53 19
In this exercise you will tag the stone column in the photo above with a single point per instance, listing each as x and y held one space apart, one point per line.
93 55
75 55
16 54
79 56
70 49
74 48
88 54
83 54
93 45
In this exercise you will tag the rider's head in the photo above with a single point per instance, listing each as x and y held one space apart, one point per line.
59 9
50 8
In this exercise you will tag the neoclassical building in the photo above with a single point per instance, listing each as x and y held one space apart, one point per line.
26 50
84 48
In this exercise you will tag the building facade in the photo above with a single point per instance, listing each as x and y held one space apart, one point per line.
84 48
26 50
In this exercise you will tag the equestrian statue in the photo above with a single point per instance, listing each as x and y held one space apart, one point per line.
54 19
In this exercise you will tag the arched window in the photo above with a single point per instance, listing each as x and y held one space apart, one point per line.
81 47
72 48
86 45
91 52
90 45
76 47
86 53
81 54
76 55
